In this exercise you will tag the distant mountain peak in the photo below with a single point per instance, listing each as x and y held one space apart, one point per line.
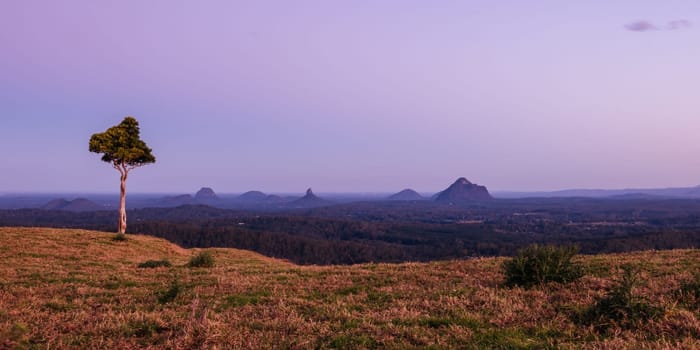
205 193
310 200
253 196
463 181
462 190
78 204
406 195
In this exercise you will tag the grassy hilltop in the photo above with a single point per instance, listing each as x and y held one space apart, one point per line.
82 289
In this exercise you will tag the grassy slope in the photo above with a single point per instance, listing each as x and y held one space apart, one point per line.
72 288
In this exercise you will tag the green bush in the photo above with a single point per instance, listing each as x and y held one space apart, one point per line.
203 259
150 264
119 237
171 293
536 265
620 306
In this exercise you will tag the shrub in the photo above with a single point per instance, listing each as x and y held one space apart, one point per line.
150 264
620 306
203 259
120 237
171 293
535 265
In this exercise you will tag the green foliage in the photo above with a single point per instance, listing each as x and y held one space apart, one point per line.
348 341
203 259
171 293
620 306
121 145
689 292
238 300
535 265
150 264
143 328
15 337
119 237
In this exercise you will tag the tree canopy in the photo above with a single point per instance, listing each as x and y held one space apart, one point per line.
122 146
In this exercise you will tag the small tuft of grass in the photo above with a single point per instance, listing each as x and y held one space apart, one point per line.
537 265
143 328
239 300
15 337
151 264
346 341
620 306
438 322
378 298
171 293
203 259
689 292
56 306
119 237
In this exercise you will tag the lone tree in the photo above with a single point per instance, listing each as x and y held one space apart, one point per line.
122 147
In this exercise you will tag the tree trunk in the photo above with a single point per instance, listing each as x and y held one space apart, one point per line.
122 204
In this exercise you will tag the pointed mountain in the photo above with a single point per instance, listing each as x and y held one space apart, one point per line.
310 200
205 194
463 191
406 195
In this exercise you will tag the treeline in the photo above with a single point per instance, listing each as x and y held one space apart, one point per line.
313 237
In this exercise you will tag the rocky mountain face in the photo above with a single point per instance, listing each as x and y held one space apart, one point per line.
462 190
406 195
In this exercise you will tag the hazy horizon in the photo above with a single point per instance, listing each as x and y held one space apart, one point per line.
352 97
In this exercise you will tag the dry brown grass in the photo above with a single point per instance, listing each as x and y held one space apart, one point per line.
79 289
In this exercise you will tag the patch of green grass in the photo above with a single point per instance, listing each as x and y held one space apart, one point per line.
597 267
143 328
352 341
355 289
119 237
57 307
689 292
15 337
114 284
150 264
168 295
349 324
439 322
508 338
379 299
239 300
73 279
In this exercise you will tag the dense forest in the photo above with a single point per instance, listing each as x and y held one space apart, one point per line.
405 231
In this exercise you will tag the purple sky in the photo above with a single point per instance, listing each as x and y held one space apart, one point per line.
353 95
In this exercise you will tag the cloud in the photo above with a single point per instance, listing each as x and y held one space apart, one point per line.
645 26
678 24
640 26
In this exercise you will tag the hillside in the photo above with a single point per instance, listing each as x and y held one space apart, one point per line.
81 289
